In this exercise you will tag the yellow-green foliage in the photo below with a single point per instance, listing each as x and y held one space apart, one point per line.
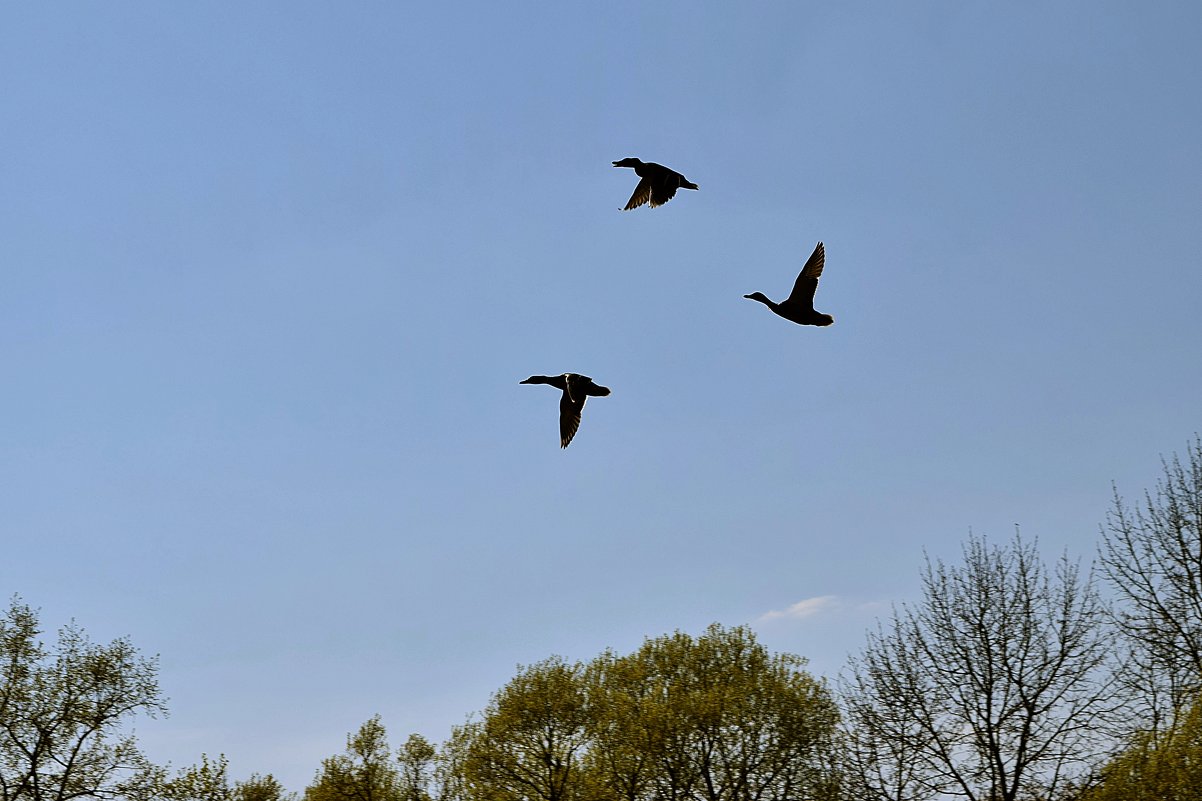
711 718
1167 767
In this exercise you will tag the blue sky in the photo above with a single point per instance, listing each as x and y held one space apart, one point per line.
271 276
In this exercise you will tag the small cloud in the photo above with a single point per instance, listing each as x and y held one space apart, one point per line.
802 609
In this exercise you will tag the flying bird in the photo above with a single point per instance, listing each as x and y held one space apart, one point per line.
657 184
576 389
799 306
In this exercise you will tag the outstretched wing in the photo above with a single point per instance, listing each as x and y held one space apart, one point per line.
569 417
642 193
557 381
665 188
807 281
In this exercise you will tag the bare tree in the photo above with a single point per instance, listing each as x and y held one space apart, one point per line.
995 687
1152 555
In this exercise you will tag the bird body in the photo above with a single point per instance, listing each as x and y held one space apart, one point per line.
799 306
576 388
657 184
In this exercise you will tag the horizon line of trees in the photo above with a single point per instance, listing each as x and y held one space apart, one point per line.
1011 679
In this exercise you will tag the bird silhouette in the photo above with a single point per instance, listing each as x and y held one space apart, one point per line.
576 388
657 184
799 306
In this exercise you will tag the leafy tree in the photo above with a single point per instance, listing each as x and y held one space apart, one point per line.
207 781
1158 766
364 773
261 788
416 759
529 742
996 686
61 712
1152 555
450 765
629 727
715 718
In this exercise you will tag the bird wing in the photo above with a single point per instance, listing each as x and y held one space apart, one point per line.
569 417
807 281
665 188
557 381
642 193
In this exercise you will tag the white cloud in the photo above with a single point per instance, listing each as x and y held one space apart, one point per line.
803 609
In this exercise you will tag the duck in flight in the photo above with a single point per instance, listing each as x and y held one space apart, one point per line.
576 388
799 306
657 184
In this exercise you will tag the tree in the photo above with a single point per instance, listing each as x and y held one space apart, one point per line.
628 727
208 781
529 742
450 771
997 686
1157 766
61 713
1152 555
715 718
261 788
364 773
416 759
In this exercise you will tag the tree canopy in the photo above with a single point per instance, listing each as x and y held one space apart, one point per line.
712 718
364 772
1164 765
62 709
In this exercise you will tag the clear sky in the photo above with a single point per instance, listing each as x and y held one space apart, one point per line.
271 274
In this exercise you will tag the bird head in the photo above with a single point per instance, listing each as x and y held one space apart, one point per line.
824 319
628 162
760 296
